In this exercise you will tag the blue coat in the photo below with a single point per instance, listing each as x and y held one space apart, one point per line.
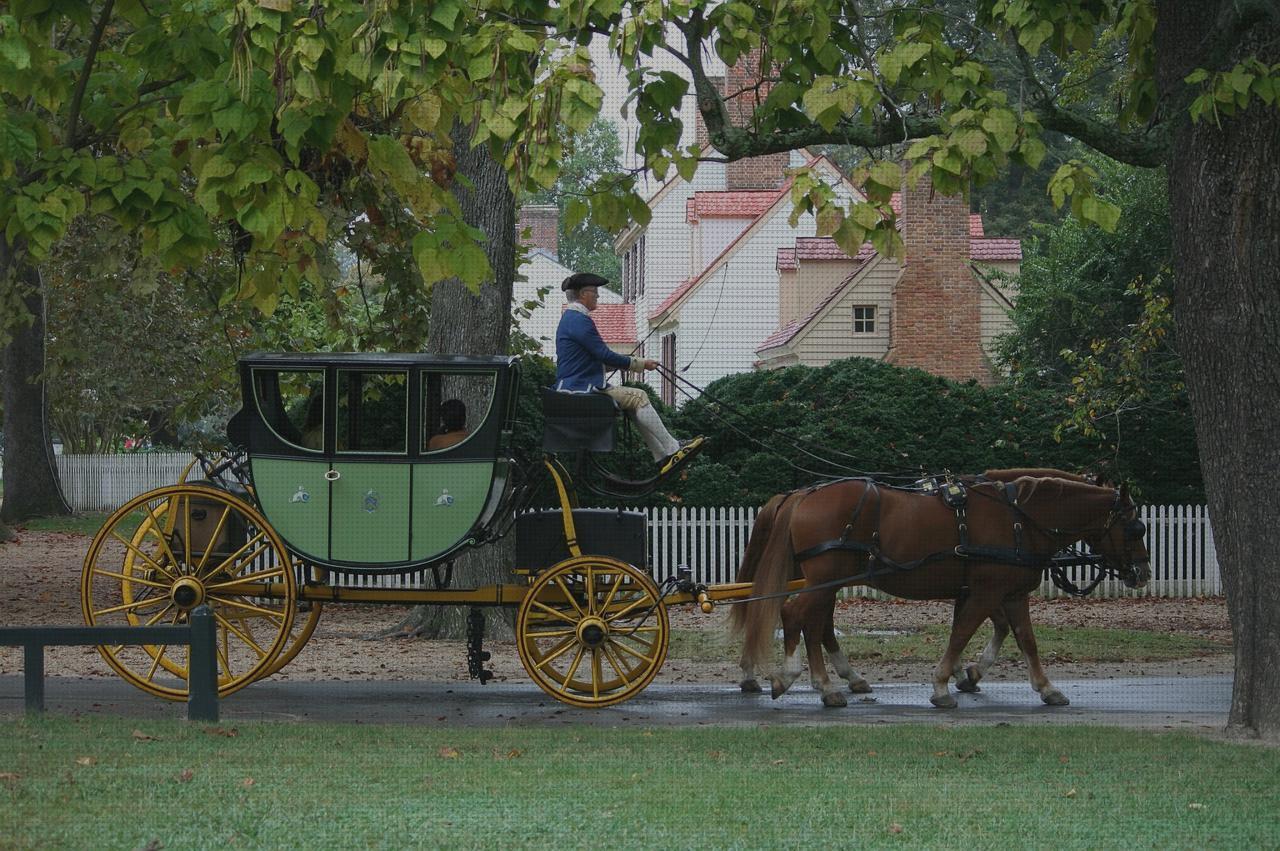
581 354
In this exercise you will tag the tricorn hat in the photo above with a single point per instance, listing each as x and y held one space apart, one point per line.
578 280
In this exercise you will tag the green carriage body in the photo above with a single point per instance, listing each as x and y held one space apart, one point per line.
341 458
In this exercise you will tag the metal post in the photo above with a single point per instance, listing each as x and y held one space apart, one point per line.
202 673
33 676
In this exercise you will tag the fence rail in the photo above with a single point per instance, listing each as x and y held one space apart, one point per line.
710 541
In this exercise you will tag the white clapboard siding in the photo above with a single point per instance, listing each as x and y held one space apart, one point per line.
708 541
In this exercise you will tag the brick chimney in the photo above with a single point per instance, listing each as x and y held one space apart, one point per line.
937 322
744 91
543 222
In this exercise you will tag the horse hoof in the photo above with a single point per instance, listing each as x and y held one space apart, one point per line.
1055 698
968 686
833 699
860 687
973 673
944 702
750 686
776 689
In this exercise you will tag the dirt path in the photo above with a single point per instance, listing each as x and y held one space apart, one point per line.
40 574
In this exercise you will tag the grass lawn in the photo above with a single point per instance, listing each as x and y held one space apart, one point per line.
1057 644
120 783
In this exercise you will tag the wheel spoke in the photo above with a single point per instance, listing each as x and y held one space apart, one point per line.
132 580
555 613
186 533
590 584
555 633
164 543
213 542
235 555
597 675
635 604
623 673
577 660
617 583
236 583
246 639
625 649
140 554
555 653
247 607
559 580
137 604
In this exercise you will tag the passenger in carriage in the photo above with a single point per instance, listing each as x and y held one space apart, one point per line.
453 425
581 358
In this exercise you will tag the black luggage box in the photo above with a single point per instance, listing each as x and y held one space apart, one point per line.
601 532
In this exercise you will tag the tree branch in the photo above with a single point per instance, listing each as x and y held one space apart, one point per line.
95 41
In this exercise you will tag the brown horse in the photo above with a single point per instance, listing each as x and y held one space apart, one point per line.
905 543
966 678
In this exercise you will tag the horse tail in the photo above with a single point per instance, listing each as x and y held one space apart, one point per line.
760 531
771 569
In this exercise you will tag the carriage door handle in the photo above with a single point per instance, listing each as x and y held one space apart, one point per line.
332 475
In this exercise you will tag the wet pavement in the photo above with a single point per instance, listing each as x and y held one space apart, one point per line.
1195 703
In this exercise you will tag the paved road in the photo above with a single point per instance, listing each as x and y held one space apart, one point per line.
1145 702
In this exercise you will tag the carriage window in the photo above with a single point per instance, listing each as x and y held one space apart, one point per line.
291 403
454 406
373 409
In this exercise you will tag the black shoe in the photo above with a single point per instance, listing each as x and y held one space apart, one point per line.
687 450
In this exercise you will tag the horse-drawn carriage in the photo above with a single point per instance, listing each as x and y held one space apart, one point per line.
348 466
341 476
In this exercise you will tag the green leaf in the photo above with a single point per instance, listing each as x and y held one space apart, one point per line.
1032 37
430 259
445 13
1033 151
972 141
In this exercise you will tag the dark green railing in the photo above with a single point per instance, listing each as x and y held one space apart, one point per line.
202 676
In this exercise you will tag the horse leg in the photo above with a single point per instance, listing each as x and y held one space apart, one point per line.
968 616
967 680
791 665
857 683
749 683
818 622
1019 612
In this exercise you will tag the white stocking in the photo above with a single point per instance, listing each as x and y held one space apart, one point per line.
655 434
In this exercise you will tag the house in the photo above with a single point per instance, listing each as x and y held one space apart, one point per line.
701 274
538 284
939 307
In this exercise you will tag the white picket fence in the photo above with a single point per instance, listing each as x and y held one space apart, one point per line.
710 541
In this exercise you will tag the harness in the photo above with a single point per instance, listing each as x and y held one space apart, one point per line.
954 494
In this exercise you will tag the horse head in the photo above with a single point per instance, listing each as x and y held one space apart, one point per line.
1122 540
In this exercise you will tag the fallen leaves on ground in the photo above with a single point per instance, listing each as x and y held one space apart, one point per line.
143 737
449 753
86 760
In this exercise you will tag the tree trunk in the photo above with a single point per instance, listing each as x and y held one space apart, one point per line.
31 487
467 323
1224 198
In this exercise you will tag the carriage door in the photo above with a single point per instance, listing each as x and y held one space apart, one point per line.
288 462
370 490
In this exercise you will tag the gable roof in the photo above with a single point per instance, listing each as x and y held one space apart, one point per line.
995 249
787 333
779 196
615 322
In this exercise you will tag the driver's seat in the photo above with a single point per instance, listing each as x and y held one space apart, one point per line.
575 422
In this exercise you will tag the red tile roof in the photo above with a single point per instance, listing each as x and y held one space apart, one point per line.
786 258
740 204
674 297
615 322
995 249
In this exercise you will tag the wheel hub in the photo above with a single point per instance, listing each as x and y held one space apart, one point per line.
592 631
187 593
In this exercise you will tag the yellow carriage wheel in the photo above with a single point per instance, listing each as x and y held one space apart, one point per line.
592 631
167 551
